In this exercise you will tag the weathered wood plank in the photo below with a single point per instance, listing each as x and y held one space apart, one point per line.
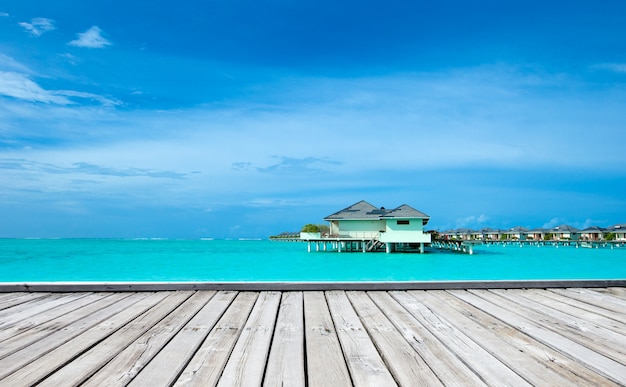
366 366
489 368
64 350
25 308
207 365
408 368
510 314
537 363
32 343
595 337
444 363
47 305
325 361
286 361
12 299
618 292
248 359
41 321
92 360
581 310
174 357
617 317
129 362
607 301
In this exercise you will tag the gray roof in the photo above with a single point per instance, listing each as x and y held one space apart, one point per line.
564 228
405 211
364 210
593 228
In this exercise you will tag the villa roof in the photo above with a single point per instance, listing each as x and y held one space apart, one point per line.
594 228
565 228
405 211
364 210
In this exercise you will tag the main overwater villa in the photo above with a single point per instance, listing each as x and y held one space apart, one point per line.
365 227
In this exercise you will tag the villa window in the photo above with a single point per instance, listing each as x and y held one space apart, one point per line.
402 222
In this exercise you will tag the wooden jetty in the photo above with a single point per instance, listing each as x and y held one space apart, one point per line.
462 337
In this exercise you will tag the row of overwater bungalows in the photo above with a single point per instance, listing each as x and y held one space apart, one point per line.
559 233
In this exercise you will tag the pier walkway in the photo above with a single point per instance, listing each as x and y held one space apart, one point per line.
515 337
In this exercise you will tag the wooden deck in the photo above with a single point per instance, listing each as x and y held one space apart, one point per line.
498 337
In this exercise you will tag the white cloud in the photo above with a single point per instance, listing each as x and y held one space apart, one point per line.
21 87
553 223
38 26
94 97
92 38
472 221
3 14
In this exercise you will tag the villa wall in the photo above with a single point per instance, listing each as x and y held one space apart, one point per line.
407 233
366 229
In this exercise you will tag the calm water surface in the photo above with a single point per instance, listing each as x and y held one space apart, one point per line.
43 260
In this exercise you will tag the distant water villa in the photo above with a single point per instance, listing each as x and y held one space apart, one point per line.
364 227
561 233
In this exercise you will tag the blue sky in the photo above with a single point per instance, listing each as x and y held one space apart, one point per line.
249 118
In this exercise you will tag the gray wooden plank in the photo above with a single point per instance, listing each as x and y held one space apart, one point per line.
326 365
406 365
12 299
489 368
247 362
38 340
64 350
509 313
602 300
365 364
132 359
26 307
617 317
39 322
167 365
618 292
591 335
286 363
207 365
536 362
582 310
35 308
444 363
79 369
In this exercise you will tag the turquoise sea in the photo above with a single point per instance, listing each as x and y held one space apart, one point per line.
46 260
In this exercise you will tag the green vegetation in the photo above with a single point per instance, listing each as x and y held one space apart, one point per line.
321 228
310 228
548 236
610 236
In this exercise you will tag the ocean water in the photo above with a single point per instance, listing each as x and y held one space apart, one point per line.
112 260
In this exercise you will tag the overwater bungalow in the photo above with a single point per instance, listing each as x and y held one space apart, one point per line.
517 233
372 228
536 234
619 230
593 233
565 232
